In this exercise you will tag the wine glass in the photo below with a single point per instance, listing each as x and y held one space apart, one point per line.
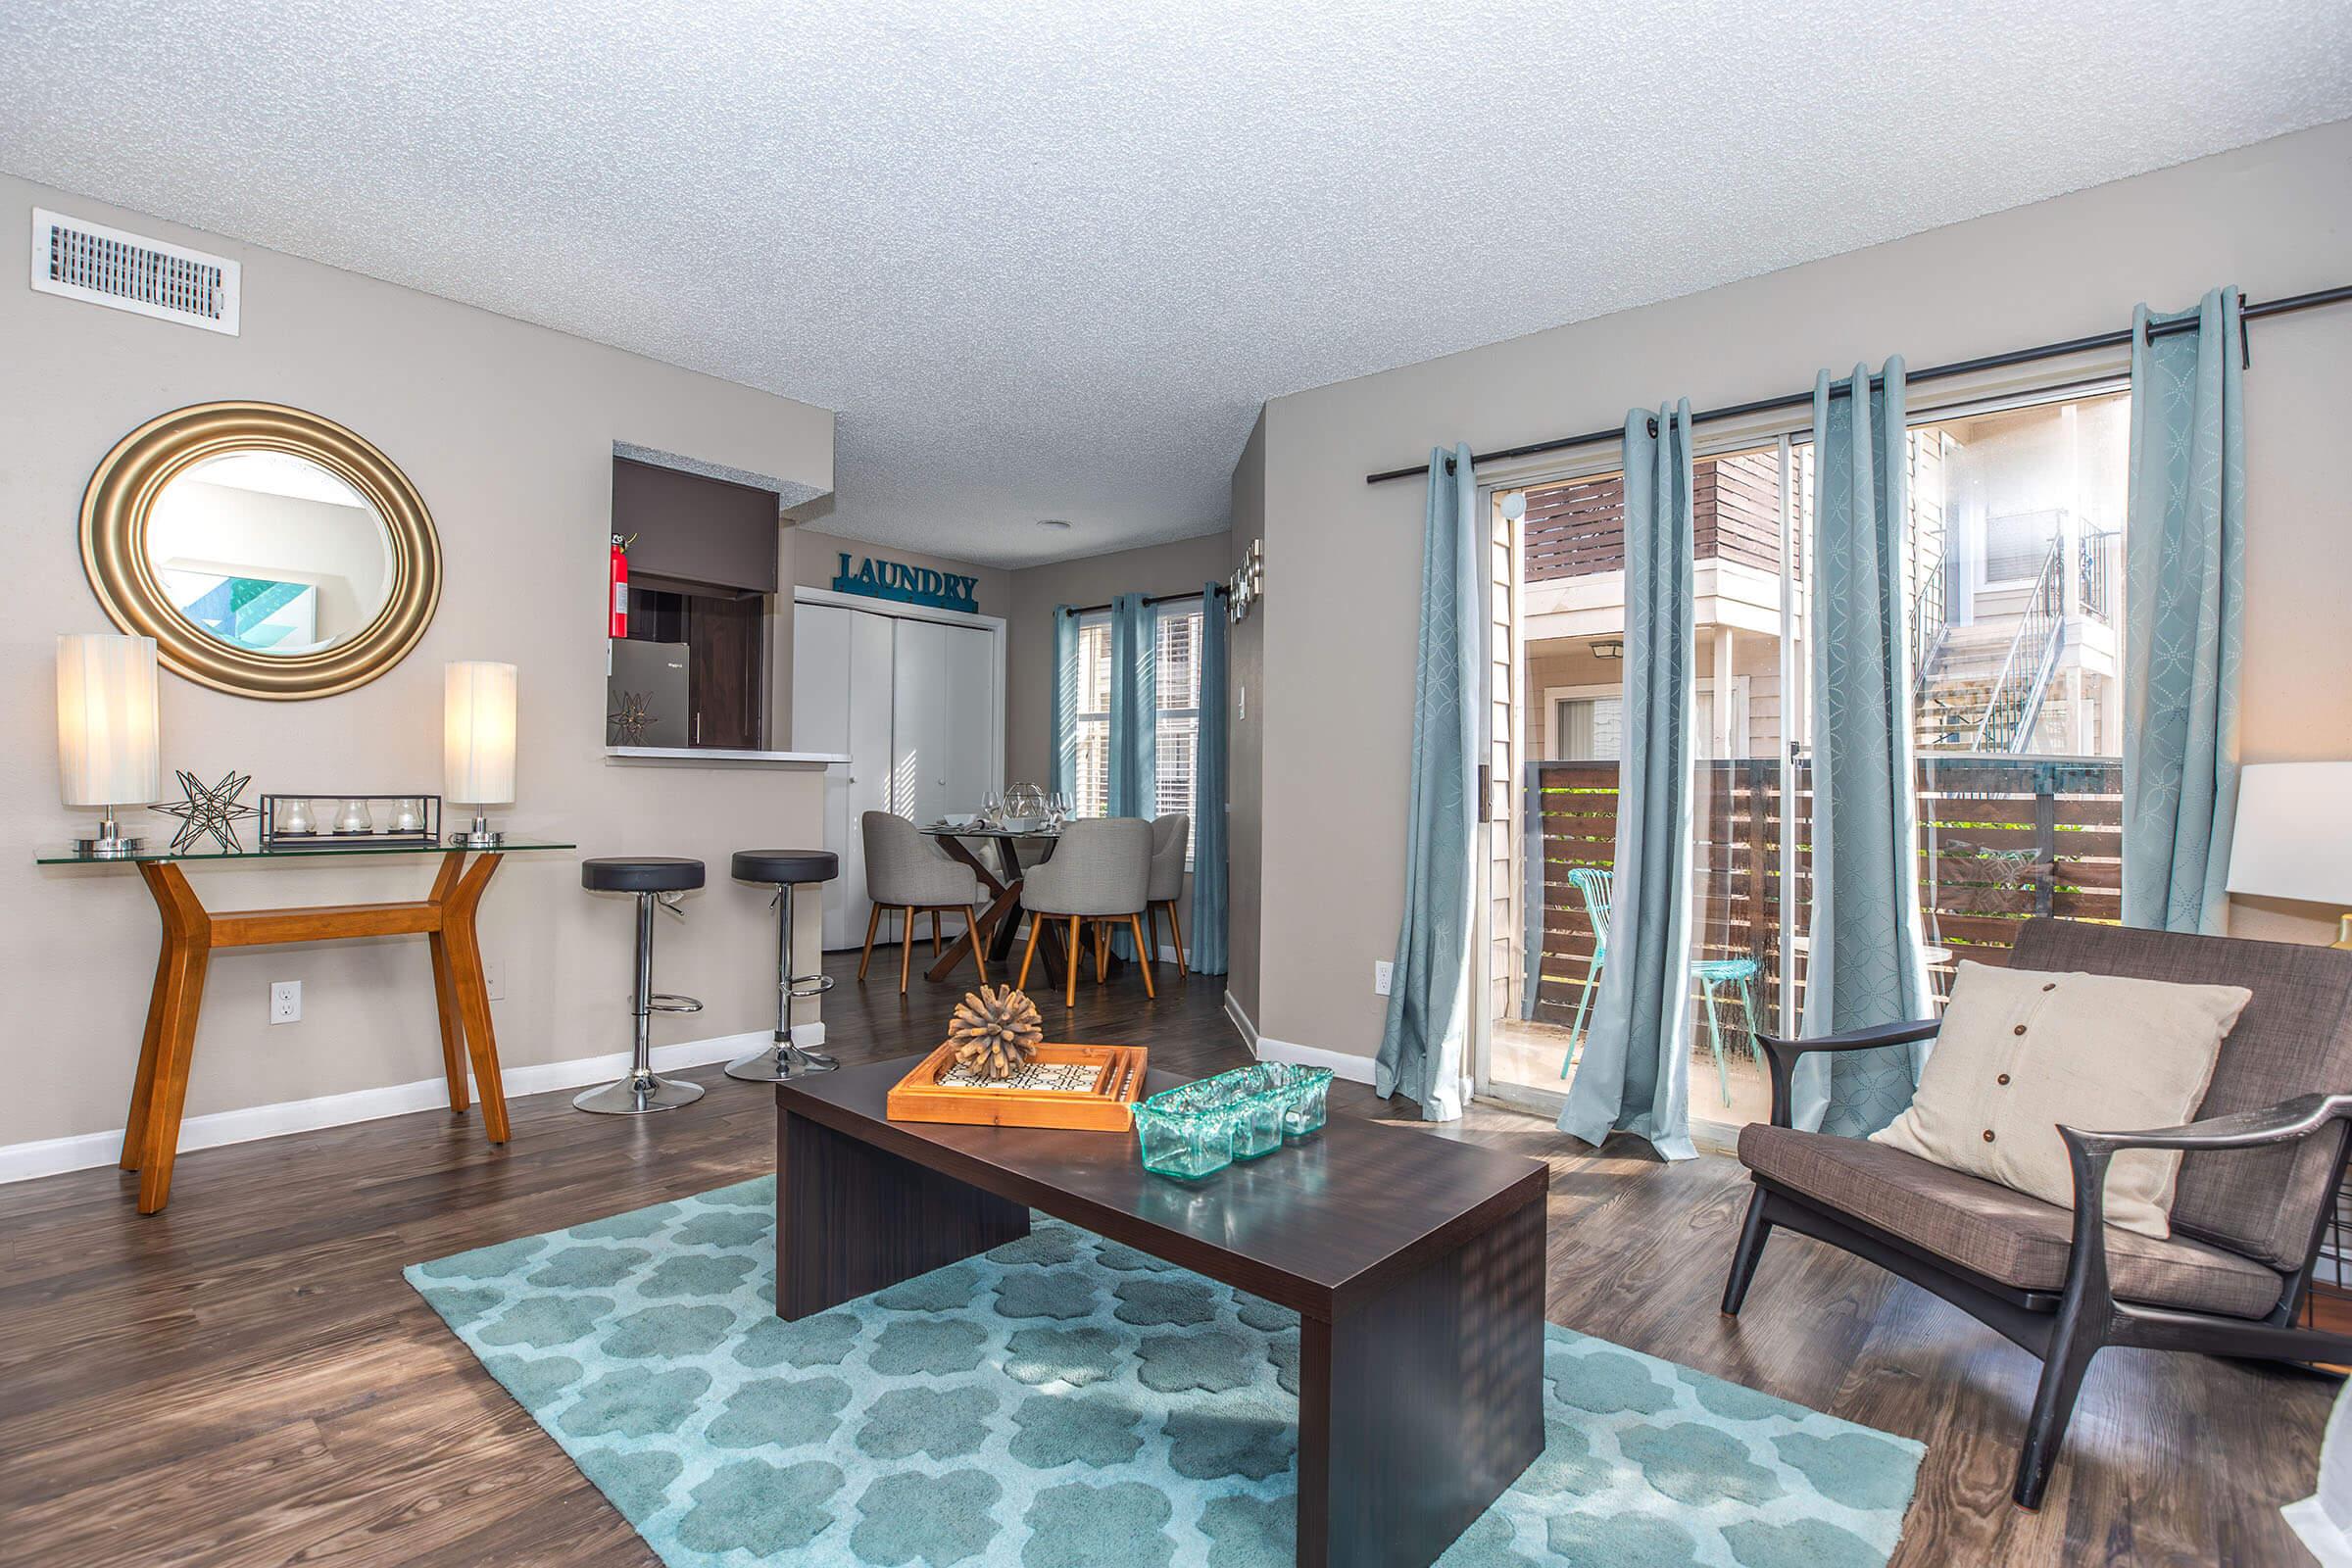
992 809
1058 806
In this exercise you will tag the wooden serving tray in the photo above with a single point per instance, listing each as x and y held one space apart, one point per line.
1108 1107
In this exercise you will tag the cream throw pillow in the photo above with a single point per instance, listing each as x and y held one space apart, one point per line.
2022 1051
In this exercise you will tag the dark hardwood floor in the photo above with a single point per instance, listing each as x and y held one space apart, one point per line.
245 1379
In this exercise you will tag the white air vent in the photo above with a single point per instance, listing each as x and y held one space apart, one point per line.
104 266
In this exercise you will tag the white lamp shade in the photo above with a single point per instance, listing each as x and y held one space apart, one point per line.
2294 832
107 754
477 755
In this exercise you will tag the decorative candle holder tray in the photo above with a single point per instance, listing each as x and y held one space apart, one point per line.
381 810
1110 1080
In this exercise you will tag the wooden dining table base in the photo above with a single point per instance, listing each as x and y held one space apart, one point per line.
191 933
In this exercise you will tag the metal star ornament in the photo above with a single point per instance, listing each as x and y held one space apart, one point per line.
630 719
208 812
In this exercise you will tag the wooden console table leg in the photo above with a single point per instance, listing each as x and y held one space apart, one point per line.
445 986
474 992
142 1086
187 953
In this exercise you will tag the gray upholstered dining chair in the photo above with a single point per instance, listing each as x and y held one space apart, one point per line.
1100 871
907 872
1170 836
2257 1182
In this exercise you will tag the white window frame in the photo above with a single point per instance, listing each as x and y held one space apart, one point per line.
1084 716
1190 606
1553 696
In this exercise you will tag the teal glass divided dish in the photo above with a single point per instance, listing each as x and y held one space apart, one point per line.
1304 1091
1189 1143
1197 1129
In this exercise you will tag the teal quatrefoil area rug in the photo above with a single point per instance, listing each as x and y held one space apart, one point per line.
1065 1402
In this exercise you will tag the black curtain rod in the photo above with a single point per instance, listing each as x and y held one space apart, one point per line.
1933 373
1163 599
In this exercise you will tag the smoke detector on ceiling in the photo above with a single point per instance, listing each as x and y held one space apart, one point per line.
85 261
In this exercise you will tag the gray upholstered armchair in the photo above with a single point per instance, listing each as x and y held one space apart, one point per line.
2258 1175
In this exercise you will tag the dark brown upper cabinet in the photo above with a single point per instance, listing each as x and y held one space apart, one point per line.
701 533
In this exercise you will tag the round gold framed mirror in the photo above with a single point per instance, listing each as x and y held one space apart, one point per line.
269 552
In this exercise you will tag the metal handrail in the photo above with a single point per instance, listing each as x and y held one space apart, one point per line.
2094 582
2015 700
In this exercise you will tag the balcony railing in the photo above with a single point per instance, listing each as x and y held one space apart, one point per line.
2001 839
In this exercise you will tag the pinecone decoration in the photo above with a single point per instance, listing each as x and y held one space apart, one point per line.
995 1030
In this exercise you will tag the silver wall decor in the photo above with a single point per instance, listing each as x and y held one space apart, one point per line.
1248 584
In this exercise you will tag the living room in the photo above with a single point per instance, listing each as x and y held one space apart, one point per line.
1159 839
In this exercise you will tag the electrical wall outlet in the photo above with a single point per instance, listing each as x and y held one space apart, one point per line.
285 1002
494 978
1382 969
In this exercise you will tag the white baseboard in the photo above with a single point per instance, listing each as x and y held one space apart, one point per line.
1355 1069
50 1156
1241 1021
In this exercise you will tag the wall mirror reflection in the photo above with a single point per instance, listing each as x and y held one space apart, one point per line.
269 553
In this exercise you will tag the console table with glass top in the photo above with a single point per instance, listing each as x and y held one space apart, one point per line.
445 920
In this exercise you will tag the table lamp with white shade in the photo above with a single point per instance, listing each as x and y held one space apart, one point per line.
477 756
2294 835
107 751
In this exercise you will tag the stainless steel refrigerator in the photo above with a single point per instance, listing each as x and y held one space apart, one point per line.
645 694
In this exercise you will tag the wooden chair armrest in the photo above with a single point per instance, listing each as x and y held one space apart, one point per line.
1781 1053
2089 1153
2286 1123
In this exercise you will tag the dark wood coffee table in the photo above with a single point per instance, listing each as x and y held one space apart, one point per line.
1414 1262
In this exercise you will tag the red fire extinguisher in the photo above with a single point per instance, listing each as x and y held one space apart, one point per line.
619 590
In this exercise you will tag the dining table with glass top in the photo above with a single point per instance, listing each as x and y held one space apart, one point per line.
445 917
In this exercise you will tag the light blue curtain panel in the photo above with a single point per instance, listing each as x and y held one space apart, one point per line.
1421 1047
1207 948
2184 606
1066 701
1134 707
1866 963
1635 1073
1133 718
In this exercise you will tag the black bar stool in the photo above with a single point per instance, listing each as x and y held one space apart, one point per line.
786 870
652 878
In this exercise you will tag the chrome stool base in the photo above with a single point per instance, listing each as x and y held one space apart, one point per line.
785 1060
639 1094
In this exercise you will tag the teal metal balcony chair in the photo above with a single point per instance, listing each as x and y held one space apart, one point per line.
1595 887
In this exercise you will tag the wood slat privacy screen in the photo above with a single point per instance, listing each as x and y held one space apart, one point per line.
2001 840
1577 529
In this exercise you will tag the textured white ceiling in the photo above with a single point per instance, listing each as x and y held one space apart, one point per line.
1048 258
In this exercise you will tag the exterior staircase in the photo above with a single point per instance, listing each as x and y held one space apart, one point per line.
1987 687
1957 686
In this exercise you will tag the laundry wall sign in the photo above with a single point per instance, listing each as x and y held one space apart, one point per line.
878 578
